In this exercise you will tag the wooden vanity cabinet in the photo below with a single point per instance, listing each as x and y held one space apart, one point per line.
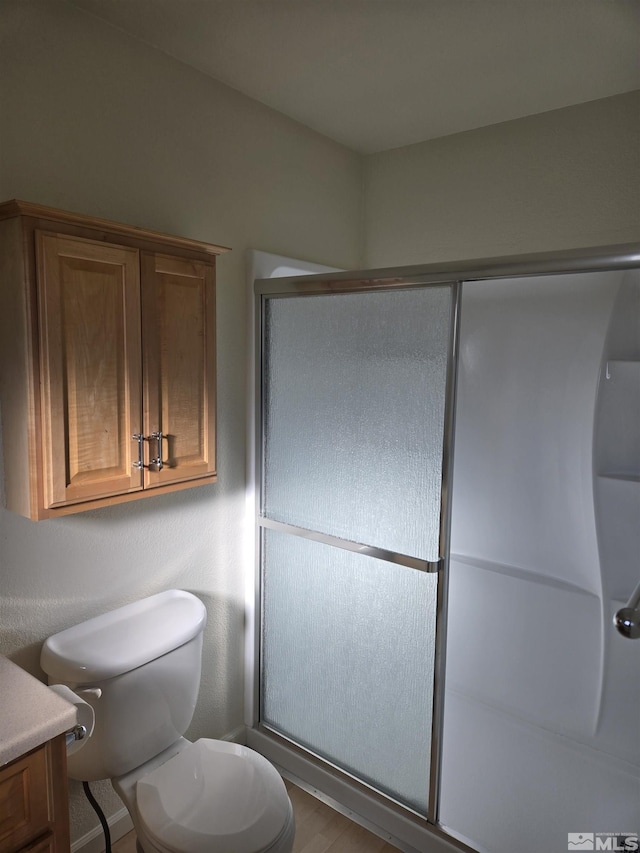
107 361
34 813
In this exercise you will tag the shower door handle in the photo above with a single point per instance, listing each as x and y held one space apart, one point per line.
627 619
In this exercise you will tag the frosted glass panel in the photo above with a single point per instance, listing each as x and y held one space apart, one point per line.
354 411
348 653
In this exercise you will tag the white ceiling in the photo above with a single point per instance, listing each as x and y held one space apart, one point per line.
378 74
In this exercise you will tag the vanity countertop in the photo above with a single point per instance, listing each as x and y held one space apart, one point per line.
30 713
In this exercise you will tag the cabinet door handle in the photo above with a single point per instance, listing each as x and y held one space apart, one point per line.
158 460
139 463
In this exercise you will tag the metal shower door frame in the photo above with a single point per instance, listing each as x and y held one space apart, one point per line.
319 285
407 829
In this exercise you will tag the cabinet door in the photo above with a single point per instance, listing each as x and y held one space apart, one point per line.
24 801
179 368
89 302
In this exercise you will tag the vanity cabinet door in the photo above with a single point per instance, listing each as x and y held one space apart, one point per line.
24 804
89 304
179 369
34 813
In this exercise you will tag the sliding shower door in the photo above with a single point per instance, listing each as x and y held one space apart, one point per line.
356 420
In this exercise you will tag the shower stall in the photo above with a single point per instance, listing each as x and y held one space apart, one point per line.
447 524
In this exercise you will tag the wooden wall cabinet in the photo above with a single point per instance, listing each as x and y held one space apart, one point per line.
107 361
34 814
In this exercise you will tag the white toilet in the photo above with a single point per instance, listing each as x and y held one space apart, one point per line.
139 667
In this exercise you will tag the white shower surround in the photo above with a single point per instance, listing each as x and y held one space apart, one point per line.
542 693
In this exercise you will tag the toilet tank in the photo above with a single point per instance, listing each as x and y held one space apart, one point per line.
139 667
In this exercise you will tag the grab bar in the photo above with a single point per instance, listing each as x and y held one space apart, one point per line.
627 619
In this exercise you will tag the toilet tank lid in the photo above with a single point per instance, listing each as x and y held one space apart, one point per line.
123 639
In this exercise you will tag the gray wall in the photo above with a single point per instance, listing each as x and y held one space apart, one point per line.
559 180
95 122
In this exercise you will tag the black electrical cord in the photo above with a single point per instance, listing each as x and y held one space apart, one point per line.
101 817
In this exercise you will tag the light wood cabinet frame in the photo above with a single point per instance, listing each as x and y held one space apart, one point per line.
153 293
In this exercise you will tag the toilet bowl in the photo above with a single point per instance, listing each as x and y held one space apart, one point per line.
210 796
139 667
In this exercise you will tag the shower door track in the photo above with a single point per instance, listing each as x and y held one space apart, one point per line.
364 804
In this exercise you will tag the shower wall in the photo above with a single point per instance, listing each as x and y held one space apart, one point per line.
541 733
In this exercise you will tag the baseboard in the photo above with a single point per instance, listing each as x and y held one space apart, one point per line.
93 841
238 735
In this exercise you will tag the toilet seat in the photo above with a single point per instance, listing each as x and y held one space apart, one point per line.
213 797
